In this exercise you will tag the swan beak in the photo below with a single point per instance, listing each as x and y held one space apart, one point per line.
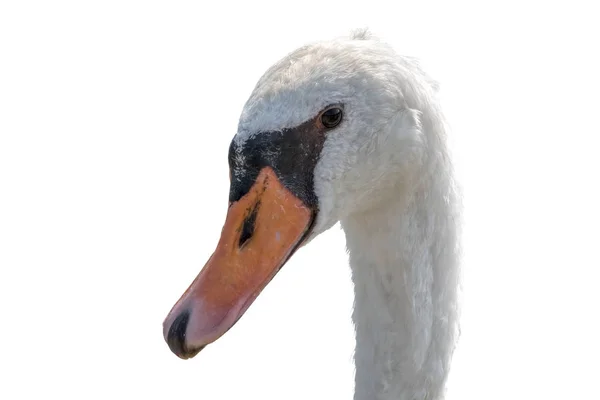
262 230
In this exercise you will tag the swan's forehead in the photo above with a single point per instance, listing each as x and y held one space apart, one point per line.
297 87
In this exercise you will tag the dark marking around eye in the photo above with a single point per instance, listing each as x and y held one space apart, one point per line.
248 227
292 153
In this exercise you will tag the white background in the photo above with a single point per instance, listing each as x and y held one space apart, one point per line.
115 120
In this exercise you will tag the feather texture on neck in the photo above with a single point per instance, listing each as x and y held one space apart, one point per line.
404 262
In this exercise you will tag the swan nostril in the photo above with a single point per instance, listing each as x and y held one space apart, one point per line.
248 227
176 337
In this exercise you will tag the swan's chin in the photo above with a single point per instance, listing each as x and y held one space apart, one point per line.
262 230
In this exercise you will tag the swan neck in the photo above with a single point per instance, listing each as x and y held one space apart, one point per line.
402 258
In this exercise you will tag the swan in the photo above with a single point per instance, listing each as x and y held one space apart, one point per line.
343 130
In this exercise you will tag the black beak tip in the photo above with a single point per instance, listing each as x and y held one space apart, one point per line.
176 337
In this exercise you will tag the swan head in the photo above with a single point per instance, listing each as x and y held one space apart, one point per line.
331 130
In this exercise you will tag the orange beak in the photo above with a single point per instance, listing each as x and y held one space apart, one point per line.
262 230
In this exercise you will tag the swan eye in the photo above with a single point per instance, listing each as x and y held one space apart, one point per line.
331 117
